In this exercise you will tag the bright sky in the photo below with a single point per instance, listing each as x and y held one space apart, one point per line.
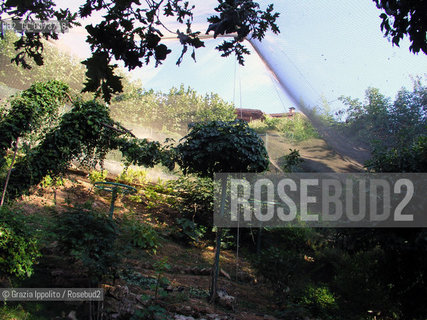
326 48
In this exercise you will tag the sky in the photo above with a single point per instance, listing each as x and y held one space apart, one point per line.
326 49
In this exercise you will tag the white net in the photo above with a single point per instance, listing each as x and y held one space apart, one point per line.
326 49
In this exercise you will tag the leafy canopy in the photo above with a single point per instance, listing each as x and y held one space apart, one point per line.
405 17
131 32
395 130
221 146
30 112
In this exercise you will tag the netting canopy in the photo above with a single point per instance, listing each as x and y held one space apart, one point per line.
325 49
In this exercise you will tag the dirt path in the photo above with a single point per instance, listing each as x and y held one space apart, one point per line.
317 155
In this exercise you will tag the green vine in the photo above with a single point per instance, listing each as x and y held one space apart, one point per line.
30 112
86 133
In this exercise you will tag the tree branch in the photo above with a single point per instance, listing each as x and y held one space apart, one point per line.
121 130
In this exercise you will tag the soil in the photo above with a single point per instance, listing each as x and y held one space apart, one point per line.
317 155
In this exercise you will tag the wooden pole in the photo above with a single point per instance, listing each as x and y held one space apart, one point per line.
215 269
8 173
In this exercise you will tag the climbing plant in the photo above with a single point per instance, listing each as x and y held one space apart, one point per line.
31 112
86 133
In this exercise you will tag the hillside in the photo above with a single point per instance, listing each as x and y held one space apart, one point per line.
185 284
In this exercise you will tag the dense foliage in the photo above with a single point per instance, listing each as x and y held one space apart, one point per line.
85 133
396 131
220 146
404 17
132 32
19 249
367 273
31 112
89 236
359 273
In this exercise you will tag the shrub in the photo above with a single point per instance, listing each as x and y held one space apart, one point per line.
130 175
297 128
89 236
98 176
18 248
320 301
196 203
140 235
292 161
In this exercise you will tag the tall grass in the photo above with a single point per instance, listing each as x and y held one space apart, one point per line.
297 129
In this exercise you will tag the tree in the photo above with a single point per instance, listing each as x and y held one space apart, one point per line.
405 17
132 33
402 147
387 124
220 146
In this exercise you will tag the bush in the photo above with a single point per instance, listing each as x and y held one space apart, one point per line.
139 234
292 161
98 176
89 236
18 248
320 301
297 128
196 203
